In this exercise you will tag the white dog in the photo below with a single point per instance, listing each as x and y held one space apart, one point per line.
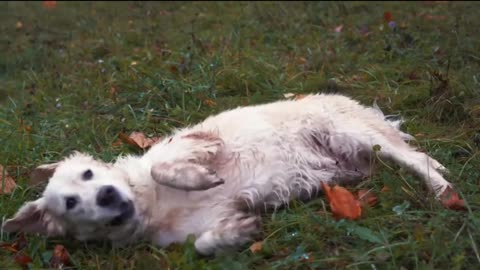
209 179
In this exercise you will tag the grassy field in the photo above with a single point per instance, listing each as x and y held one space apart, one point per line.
72 77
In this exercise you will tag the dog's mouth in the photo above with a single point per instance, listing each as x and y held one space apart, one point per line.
127 211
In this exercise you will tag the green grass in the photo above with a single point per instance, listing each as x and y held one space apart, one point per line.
75 76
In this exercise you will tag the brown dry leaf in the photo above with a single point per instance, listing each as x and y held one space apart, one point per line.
173 69
256 247
16 246
8 247
342 202
302 60
429 17
451 200
49 4
60 257
385 189
117 143
210 102
294 96
112 94
7 184
367 197
138 139
20 243
299 96
22 259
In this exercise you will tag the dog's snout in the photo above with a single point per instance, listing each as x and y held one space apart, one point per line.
108 196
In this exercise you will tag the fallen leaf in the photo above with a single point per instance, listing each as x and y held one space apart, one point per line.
256 247
16 246
22 259
388 16
338 29
300 96
8 247
49 4
367 197
342 202
113 92
210 102
294 96
138 139
117 143
429 17
451 200
20 243
173 69
7 184
60 257
385 189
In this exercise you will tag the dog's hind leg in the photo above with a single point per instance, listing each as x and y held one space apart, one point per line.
417 162
393 148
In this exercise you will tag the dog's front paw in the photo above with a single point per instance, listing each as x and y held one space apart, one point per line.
230 233
185 176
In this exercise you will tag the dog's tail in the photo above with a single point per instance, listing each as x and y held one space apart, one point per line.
394 120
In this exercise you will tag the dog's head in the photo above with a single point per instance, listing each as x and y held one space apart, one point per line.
84 197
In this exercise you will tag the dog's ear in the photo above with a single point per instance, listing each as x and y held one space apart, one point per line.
43 172
33 217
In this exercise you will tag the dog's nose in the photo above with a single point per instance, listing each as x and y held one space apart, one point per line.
108 196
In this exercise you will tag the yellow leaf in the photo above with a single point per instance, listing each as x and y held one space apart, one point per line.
256 247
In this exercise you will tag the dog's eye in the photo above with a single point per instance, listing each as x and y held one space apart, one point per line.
87 175
70 202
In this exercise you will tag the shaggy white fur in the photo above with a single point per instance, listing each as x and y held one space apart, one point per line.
209 179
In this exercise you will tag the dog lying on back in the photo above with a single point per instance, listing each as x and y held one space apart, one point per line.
210 179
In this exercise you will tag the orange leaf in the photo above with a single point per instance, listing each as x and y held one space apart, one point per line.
138 139
299 96
14 247
7 184
49 4
60 257
20 243
256 247
209 102
367 197
451 200
342 202
8 247
388 16
385 189
435 17
22 259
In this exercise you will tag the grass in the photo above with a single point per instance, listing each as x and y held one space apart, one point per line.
74 76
